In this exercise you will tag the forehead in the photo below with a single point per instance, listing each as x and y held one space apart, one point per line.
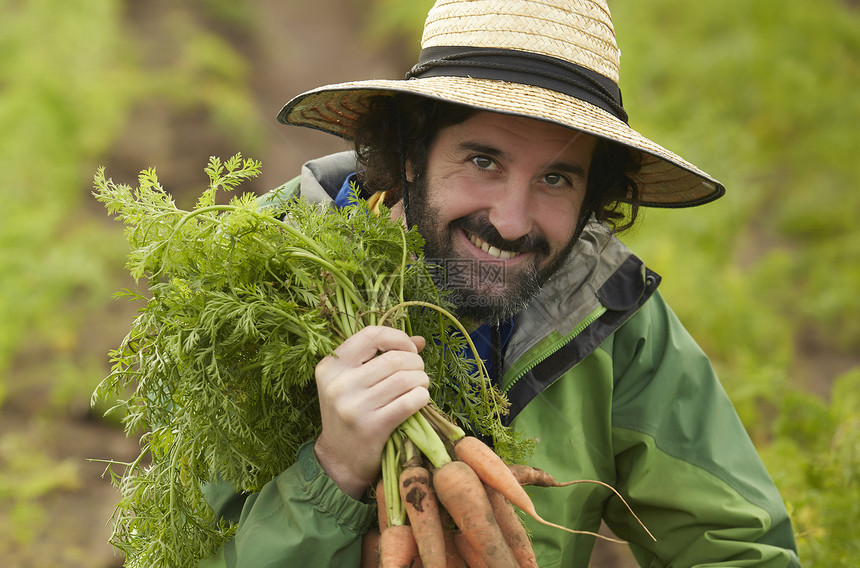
517 131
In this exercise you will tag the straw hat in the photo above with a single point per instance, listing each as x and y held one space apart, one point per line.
554 60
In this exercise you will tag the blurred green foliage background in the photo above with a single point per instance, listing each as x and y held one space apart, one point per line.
759 93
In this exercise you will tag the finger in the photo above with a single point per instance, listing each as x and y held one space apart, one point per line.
393 386
371 340
392 415
356 392
369 420
387 364
420 342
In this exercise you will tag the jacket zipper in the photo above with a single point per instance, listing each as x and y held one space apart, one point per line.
590 319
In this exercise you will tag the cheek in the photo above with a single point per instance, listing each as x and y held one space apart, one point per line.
557 221
455 197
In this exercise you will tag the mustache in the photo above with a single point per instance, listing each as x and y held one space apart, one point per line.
481 227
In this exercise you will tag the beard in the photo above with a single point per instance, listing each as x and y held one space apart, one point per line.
483 291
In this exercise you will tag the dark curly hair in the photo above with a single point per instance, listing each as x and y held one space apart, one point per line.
400 126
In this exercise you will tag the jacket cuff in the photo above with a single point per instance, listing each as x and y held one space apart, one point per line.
327 497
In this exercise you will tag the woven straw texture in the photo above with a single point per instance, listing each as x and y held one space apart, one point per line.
576 31
579 31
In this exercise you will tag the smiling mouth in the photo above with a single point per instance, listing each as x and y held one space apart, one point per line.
491 250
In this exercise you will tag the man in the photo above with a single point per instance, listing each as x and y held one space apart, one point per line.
507 146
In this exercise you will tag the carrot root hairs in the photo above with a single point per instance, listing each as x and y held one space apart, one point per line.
528 475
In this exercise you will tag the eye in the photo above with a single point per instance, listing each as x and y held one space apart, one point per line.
556 180
483 162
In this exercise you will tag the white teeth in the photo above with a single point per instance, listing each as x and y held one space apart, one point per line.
491 250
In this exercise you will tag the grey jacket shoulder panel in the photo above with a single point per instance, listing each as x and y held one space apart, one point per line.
321 179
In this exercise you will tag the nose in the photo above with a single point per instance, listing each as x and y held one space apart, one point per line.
510 213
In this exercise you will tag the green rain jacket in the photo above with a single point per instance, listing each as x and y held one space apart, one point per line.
601 373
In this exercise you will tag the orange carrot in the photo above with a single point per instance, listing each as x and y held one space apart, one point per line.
494 472
370 549
528 475
453 558
467 552
381 511
462 494
419 499
397 548
512 528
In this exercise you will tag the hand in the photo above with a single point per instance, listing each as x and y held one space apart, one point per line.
370 384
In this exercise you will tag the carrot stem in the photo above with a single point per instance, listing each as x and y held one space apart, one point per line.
446 429
395 512
417 429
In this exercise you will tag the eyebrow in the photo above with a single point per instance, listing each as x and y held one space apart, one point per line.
482 149
557 166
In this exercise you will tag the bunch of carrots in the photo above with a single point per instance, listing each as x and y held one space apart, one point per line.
446 499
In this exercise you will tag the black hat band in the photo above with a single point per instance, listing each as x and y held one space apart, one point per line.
521 67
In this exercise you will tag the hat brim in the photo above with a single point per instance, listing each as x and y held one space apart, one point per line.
664 180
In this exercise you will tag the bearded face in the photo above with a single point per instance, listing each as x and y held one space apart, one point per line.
498 205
